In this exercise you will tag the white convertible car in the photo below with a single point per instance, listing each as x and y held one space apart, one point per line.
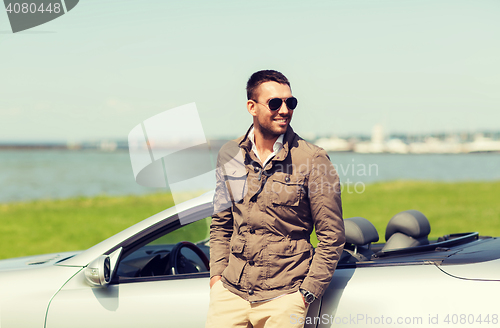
145 277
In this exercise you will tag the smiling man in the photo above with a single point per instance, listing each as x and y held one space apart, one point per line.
273 188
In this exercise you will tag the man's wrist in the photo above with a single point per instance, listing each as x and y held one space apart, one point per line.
214 279
308 296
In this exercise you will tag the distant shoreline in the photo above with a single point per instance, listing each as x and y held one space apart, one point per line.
122 149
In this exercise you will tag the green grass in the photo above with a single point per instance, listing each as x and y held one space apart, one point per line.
62 225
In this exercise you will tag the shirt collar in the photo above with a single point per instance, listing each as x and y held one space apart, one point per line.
278 144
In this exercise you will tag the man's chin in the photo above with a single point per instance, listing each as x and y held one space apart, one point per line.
276 131
281 130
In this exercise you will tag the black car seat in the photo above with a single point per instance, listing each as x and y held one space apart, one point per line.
407 229
359 234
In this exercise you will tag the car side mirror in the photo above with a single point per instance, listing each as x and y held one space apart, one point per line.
98 272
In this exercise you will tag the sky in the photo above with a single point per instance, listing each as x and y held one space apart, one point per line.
413 66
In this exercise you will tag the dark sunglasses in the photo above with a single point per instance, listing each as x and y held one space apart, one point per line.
275 103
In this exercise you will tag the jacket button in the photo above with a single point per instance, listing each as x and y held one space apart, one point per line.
250 292
252 230
251 262
287 179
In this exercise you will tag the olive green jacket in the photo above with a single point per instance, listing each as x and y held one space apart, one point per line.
259 236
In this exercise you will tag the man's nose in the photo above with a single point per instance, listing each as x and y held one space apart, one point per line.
283 110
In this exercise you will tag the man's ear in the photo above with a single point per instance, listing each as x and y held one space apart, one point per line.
252 107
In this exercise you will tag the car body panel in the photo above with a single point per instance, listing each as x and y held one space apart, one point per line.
418 292
34 262
178 302
25 294
489 270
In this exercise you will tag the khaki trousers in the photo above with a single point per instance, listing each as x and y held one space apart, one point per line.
229 310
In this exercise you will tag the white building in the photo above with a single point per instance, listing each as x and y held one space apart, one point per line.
376 145
334 144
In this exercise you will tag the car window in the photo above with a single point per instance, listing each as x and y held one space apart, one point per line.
156 257
195 232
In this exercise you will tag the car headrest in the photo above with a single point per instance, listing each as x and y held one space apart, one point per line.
411 223
399 240
360 231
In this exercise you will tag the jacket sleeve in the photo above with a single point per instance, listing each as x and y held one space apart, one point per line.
326 210
221 228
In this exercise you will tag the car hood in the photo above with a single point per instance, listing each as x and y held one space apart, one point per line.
27 285
33 262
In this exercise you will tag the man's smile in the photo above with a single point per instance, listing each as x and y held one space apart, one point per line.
282 121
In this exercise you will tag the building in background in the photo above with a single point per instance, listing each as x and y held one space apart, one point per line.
440 143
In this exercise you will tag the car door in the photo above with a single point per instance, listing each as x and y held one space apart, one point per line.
405 295
177 301
144 290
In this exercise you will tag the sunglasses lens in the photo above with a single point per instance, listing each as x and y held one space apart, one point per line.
291 103
275 103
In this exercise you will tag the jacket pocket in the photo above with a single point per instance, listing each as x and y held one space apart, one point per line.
288 262
286 190
234 269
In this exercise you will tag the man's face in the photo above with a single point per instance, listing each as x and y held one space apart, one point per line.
271 123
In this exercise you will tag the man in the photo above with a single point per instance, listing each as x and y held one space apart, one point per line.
273 188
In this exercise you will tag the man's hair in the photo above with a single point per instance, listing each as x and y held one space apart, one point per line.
260 77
